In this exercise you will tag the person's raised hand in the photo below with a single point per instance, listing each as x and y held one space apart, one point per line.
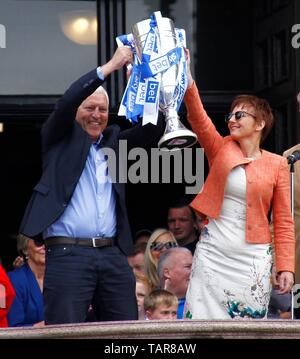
122 56
188 67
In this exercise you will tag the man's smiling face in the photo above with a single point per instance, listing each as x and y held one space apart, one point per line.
92 114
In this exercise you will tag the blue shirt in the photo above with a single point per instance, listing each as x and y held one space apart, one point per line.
91 210
181 303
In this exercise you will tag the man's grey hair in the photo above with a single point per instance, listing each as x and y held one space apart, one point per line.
101 90
165 257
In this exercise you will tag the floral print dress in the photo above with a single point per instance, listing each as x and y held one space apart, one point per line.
230 278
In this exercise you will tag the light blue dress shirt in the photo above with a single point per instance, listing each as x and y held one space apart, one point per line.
91 211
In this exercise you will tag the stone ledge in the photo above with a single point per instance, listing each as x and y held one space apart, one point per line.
183 329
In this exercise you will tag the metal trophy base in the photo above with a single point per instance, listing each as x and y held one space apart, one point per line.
177 140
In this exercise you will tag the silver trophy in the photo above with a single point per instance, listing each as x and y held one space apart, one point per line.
176 135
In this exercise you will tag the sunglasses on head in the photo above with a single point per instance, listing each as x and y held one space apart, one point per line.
158 246
238 115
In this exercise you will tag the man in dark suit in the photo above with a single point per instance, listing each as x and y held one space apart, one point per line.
80 212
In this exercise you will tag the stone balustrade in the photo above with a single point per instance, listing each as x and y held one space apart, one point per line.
178 329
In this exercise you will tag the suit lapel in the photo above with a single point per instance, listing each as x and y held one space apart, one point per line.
110 136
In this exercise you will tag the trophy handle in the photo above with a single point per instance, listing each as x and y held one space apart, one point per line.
140 32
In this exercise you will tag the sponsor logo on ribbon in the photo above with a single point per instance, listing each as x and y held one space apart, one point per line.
152 90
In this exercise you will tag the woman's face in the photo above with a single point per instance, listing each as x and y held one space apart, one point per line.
36 252
243 123
161 244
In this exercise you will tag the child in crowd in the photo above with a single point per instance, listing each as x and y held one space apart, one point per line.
160 304
142 288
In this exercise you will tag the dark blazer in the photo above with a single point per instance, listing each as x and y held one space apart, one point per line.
65 147
28 305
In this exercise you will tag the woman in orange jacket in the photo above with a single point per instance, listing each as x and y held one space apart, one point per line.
232 264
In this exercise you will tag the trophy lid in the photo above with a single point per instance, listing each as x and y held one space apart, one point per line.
141 29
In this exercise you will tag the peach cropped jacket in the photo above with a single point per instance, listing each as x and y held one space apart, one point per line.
268 185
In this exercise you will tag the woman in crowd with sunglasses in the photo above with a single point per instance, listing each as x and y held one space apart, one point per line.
160 240
232 263
28 306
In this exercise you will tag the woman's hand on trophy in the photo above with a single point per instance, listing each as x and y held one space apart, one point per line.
122 56
188 67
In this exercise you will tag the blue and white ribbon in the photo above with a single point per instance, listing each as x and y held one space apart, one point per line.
141 96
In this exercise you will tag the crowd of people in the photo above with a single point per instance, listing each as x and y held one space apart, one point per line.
78 261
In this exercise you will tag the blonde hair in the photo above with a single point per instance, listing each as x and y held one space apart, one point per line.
159 297
150 263
22 244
